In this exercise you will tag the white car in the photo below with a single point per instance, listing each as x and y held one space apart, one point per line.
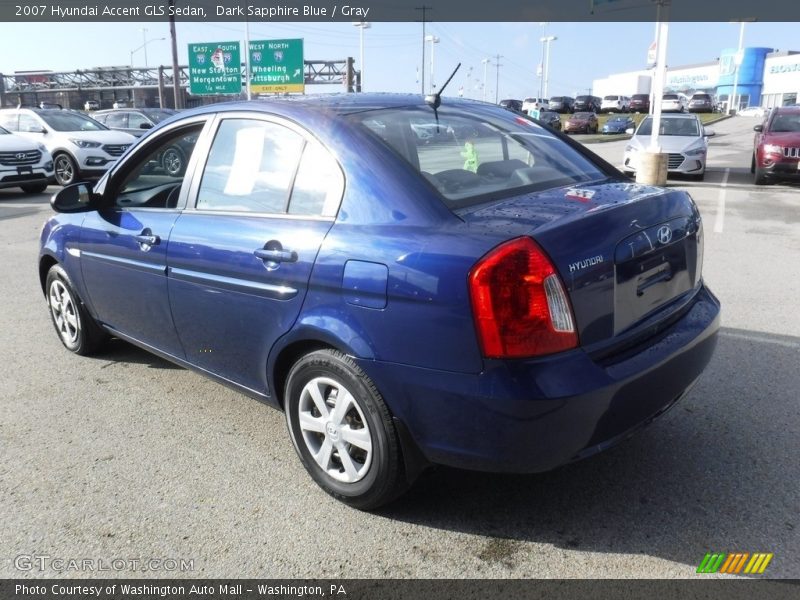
81 147
682 137
753 111
674 103
615 104
534 104
24 164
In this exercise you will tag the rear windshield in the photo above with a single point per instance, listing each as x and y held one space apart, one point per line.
670 97
640 97
701 97
583 98
474 157
557 99
611 98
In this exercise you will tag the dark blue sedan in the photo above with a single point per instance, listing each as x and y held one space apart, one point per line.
618 125
491 297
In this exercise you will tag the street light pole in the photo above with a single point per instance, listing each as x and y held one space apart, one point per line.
485 62
541 60
733 105
362 25
546 41
497 80
144 44
135 50
433 40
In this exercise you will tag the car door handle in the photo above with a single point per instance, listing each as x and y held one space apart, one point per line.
147 240
275 255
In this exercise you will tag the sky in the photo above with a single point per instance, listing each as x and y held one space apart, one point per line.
393 51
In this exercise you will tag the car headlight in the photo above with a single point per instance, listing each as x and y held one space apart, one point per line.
773 149
696 151
85 143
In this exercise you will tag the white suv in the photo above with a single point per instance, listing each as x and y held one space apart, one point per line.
615 104
81 147
24 163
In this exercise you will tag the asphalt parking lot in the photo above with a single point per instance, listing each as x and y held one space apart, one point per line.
125 456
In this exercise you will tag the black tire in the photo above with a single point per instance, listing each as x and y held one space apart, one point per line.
759 178
66 169
753 164
173 161
75 327
34 188
376 475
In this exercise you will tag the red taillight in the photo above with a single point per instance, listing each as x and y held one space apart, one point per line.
519 304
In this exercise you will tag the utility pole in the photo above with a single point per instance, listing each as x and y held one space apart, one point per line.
733 103
433 40
424 10
497 80
176 73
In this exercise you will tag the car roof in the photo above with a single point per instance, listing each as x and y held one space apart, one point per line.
791 110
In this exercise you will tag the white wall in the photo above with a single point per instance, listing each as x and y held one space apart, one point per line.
624 84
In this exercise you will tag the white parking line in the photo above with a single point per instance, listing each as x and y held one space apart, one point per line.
720 221
761 339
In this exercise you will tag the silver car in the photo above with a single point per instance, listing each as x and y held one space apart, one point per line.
682 136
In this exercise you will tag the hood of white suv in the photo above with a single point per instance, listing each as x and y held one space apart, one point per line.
15 143
103 137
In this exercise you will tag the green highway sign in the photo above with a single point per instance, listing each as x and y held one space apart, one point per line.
215 68
276 66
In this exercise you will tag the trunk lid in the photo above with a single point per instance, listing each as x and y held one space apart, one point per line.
627 254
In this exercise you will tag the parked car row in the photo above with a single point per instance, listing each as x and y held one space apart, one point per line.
80 146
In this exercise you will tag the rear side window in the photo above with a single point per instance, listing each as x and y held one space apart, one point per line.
262 167
117 120
470 158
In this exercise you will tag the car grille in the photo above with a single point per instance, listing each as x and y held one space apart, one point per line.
115 149
20 159
674 161
791 152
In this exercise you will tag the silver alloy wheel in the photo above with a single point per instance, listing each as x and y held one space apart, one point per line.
334 430
65 313
65 172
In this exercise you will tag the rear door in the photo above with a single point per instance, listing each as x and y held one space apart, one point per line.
240 256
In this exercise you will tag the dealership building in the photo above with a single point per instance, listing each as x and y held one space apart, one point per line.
766 77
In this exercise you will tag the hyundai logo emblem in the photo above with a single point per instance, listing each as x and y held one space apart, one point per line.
20 156
664 235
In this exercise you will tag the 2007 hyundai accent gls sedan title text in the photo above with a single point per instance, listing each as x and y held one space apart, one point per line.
488 295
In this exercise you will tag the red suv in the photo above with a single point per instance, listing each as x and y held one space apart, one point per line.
776 151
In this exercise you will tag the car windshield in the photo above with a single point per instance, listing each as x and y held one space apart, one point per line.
69 121
785 123
676 127
471 158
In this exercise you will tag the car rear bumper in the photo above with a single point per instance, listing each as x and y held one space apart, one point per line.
534 415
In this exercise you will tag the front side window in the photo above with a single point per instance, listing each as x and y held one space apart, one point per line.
117 120
28 124
471 157
155 177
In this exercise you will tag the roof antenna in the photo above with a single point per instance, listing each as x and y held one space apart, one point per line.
435 100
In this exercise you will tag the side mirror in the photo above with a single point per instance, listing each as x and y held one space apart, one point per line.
629 130
76 197
758 128
146 126
709 132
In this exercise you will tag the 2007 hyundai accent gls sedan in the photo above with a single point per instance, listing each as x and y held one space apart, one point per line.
489 295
